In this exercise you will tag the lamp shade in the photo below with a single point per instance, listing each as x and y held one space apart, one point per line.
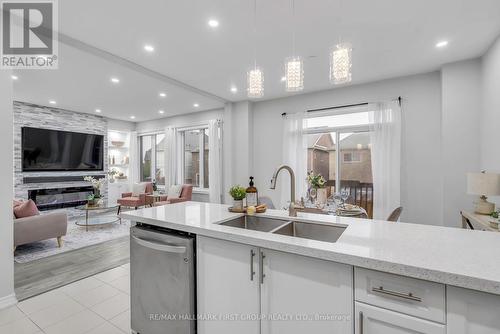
487 184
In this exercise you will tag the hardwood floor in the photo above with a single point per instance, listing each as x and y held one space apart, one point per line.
42 275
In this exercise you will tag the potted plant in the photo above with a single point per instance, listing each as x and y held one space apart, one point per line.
155 188
238 193
318 184
91 201
96 184
112 174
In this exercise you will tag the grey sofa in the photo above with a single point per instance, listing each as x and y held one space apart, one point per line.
40 227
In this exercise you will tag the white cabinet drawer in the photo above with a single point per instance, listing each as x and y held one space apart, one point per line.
376 320
411 296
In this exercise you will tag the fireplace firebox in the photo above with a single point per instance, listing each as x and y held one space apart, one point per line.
56 198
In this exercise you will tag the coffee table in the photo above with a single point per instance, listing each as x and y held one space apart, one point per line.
99 208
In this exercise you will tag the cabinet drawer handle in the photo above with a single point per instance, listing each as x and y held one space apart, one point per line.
261 267
361 330
252 271
408 296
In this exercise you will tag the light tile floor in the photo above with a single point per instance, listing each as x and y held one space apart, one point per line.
95 305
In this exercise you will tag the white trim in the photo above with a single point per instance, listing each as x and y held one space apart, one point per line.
8 301
203 191
194 127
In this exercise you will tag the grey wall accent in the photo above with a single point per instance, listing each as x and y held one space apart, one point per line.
32 115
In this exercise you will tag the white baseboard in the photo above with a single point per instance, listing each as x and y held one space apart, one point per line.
8 301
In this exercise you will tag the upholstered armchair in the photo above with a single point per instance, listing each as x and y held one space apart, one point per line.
186 195
135 201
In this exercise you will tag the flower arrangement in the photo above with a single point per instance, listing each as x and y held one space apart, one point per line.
315 181
96 184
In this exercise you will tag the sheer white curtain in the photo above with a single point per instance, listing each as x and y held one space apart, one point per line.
385 133
171 157
294 155
215 161
135 158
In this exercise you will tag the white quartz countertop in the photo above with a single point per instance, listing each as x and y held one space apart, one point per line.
464 258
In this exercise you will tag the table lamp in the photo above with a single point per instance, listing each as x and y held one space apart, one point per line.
483 184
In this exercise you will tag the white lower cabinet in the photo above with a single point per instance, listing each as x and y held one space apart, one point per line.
377 320
292 294
226 291
305 295
471 312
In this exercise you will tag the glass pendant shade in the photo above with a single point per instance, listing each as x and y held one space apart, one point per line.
294 74
341 63
255 83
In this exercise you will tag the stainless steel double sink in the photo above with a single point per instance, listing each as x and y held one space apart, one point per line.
308 230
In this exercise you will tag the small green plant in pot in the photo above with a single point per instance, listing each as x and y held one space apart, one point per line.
238 193
91 200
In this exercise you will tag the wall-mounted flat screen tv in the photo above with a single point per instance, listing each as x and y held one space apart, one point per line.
53 150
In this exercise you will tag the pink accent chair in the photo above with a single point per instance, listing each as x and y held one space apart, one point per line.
137 201
186 195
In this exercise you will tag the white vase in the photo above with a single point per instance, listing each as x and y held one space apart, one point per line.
321 196
238 204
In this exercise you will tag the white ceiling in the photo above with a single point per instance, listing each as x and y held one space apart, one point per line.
390 38
83 83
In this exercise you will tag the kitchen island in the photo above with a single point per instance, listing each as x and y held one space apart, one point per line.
374 274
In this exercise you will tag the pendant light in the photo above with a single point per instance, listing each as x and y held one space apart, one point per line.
294 66
255 76
340 60
341 63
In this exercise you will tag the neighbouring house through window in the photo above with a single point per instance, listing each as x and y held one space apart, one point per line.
339 148
152 151
195 153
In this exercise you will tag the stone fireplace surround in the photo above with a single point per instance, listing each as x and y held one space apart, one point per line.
32 115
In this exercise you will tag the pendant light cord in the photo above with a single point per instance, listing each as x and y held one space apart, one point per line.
293 28
255 33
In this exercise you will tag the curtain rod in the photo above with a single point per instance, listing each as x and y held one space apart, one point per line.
399 99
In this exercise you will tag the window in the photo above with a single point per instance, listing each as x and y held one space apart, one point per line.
152 150
351 157
195 154
339 149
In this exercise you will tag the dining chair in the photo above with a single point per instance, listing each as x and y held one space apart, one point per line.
394 216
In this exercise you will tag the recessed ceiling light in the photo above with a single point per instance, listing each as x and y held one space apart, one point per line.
98 110
149 48
161 111
441 44
283 79
196 105
52 102
213 23
115 80
162 94
132 117
234 90
14 77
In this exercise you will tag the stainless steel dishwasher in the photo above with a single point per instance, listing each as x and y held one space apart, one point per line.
162 281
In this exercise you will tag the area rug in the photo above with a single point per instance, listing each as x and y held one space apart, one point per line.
75 238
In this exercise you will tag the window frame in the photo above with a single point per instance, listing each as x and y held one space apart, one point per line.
153 167
201 142
365 128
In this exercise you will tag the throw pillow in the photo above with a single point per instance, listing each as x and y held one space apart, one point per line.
26 209
174 191
138 188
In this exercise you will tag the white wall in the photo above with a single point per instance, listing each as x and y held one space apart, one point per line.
192 119
119 125
421 186
490 121
6 180
461 110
